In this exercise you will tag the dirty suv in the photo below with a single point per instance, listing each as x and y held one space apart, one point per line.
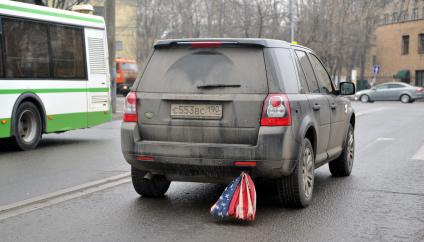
203 110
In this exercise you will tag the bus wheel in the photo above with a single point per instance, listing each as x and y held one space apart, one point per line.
27 126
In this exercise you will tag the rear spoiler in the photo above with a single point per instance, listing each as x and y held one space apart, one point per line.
214 43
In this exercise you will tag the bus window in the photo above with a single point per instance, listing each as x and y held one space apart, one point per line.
1 57
26 49
67 52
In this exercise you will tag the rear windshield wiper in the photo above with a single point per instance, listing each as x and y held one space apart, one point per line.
217 86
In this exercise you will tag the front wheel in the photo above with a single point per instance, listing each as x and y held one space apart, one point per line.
342 166
27 126
156 186
296 190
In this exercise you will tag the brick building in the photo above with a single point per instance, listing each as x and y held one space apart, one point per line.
399 44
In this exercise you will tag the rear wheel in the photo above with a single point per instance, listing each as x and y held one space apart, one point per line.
405 98
27 126
296 190
342 166
156 186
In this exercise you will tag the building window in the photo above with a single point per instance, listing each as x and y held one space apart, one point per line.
99 11
404 16
405 44
374 60
415 13
395 17
386 18
421 43
119 45
419 75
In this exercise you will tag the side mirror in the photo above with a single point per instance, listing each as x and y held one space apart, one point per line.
374 88
347 88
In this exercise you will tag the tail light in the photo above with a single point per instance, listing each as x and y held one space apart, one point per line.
245 163
130 108
276 111
419 90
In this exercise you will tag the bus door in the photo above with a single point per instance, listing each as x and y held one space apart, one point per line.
98 97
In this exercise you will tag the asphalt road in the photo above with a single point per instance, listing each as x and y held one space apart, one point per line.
383 200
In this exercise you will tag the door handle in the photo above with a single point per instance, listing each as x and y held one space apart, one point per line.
333 106
316 107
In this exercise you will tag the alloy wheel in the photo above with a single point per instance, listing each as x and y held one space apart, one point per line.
350 149
404 99
308 172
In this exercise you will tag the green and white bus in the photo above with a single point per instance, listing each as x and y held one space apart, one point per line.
53 72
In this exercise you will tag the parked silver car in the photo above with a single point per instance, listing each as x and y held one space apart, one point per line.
391 91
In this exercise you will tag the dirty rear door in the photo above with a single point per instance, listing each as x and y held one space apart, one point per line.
202 94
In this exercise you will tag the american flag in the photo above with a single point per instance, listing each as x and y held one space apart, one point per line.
238 200
220 208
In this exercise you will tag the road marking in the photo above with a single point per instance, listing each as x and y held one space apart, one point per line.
66 194
420 154
379 139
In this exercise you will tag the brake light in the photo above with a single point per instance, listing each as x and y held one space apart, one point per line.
145 158
245 163
206 44
276 111
420 89
130 108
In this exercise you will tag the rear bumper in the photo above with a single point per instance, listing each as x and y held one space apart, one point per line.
275 154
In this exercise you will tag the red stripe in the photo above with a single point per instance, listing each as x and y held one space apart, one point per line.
252 190
245 199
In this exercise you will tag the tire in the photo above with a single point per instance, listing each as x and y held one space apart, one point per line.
365 98
296 190
343 165
27 127
405 98
157 186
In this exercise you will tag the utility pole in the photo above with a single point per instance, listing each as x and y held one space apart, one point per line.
110 27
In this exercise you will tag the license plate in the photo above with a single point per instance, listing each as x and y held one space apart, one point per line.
196 111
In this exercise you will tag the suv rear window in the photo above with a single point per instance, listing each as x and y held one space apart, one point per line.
183 70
